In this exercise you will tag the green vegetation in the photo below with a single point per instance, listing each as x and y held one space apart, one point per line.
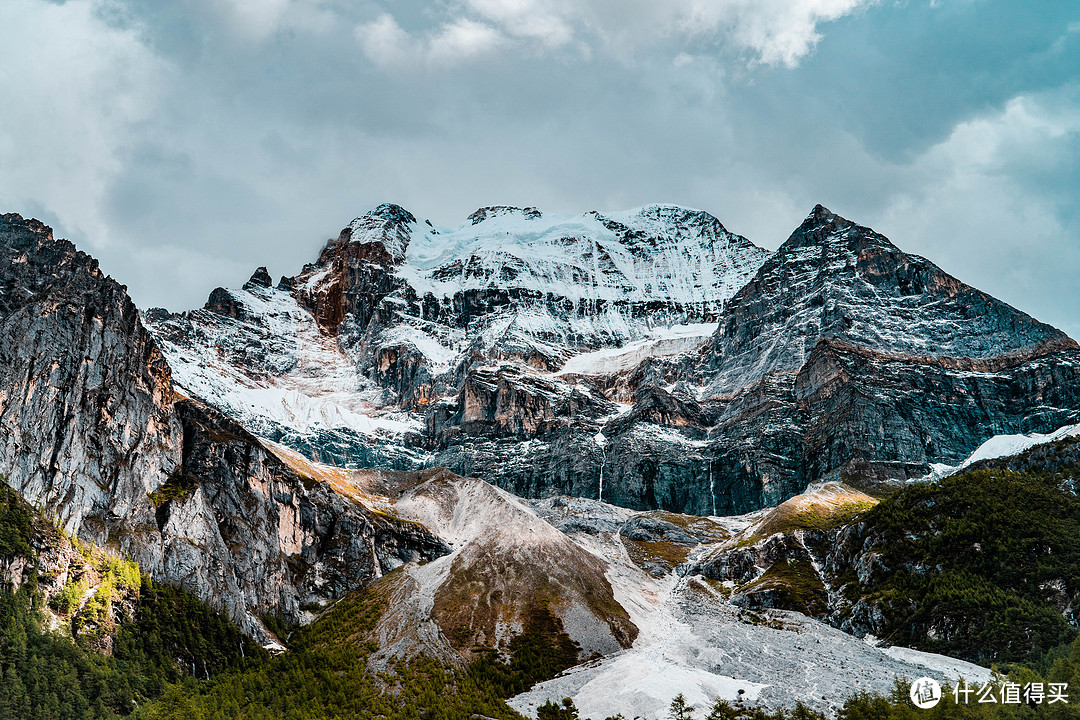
552 711
833 507
178 486
680 709
68 599
980 565
95 618
15 524
897 705
45 674
326 674
794 585
724 710
175 635
542 651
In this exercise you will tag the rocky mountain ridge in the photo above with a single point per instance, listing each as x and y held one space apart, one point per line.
167 445
97 436
835 282
650 358
188 447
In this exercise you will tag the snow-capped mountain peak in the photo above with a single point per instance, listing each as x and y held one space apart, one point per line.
388 225
482 214
716 373
655 253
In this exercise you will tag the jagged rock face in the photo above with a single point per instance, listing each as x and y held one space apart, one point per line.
463 334
249 533
85 395
513 284
601 356
95 435
874 417
837 281
846 358
353 273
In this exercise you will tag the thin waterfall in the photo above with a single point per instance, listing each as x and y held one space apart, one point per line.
375 559
712 490
602 442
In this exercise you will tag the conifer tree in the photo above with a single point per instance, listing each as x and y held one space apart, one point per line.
680 710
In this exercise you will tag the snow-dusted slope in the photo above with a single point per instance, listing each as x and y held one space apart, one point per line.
344 359
662 253
267 365
661 342
1001 446
1006 445
518 284
836 282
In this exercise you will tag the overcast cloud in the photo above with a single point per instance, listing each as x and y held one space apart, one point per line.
186 143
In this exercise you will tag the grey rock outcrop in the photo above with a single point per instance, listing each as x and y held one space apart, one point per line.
96 436
243 530
882 363
86 398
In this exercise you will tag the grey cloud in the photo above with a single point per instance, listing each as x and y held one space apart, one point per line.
239 147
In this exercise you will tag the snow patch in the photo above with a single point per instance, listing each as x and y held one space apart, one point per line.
276 370
1007 445
999 446
660 343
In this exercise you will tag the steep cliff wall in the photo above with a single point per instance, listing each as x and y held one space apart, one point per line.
95 435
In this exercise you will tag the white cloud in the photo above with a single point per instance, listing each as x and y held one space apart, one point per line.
1024 129
461 40
256 21
775 32
385 43
542 20
389 46
982 163
770 32
75 91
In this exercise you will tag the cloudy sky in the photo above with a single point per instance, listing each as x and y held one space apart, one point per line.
185 143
